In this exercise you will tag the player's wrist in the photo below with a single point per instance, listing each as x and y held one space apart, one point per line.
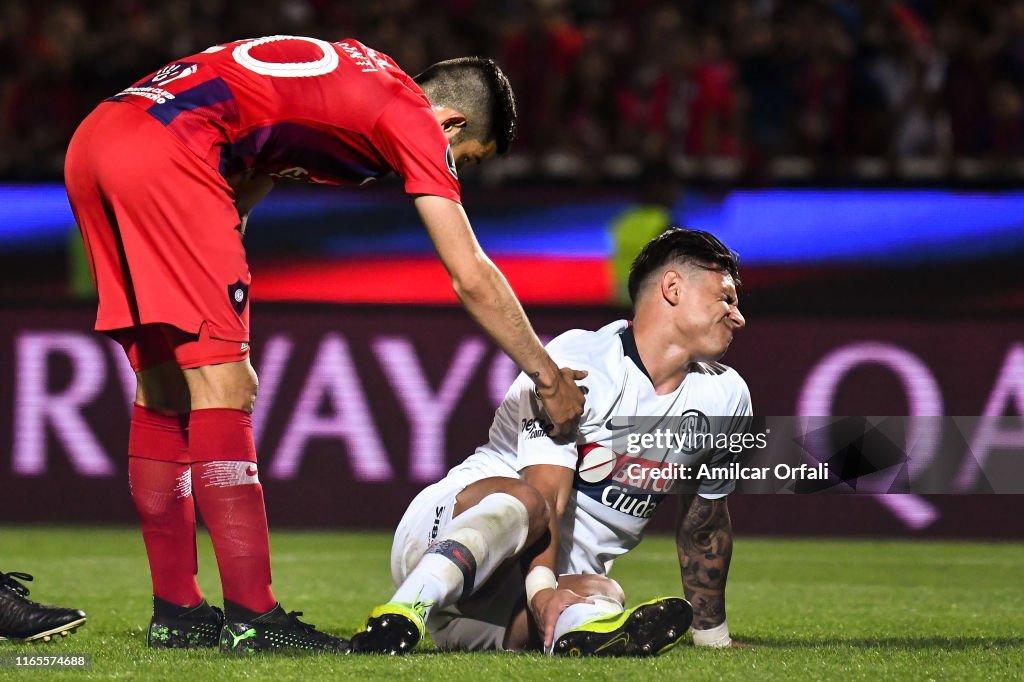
539 580
715 638
546 379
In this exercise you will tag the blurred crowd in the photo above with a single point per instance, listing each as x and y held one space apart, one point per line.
741 82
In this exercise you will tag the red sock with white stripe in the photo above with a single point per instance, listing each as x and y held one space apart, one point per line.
226 485
161 488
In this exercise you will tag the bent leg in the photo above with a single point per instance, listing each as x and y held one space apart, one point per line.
494 519
440 561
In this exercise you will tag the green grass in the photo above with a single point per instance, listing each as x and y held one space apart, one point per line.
811 609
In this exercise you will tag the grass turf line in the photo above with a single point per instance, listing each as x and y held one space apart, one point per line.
811 609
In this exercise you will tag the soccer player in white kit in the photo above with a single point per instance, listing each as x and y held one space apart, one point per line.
512 549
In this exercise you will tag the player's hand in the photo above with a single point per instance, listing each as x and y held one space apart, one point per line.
563 402
547 606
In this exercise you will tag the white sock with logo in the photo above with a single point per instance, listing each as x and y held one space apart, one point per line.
468 552
578 614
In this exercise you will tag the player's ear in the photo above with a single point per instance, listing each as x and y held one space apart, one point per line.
671 286
451 120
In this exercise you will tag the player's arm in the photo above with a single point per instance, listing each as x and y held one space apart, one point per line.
486 295
704 546
554 483
250 188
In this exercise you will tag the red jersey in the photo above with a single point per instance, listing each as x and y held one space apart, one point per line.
337 113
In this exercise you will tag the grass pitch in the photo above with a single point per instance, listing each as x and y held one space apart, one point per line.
810 609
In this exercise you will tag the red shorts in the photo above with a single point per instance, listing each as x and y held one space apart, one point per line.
161 233
149 345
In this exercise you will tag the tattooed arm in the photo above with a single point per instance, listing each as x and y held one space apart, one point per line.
704 545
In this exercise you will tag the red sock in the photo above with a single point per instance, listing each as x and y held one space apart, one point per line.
161 487
230 497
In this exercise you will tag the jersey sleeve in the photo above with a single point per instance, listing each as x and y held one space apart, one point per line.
737 421
533 445
409 138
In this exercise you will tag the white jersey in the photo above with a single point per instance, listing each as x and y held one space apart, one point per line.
606 517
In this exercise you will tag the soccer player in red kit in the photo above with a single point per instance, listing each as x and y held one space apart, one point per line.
161 178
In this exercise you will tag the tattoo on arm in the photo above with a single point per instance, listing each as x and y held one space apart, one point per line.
704 545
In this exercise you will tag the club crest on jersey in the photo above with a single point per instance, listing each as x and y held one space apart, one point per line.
694 429
238 295
450 158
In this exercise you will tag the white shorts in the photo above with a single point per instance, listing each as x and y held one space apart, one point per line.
479 623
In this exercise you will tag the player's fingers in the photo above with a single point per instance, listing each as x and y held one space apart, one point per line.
578 374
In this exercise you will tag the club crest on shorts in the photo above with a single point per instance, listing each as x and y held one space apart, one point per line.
238 295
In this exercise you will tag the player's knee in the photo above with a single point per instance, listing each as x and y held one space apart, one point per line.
251 390
239 392
537 511
231 386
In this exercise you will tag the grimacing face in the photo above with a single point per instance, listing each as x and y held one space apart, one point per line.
707 314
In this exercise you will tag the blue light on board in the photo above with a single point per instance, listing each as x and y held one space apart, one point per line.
801 226
770 227
34 215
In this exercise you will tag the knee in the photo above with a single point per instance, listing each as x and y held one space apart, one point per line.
248 390
537 511
231 386
240 392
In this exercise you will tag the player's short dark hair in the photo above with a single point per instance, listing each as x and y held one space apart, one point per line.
685 247
476 87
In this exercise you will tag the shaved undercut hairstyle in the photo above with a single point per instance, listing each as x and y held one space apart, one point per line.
683 247
477 88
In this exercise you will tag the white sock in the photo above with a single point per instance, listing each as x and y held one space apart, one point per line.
470 549
578 614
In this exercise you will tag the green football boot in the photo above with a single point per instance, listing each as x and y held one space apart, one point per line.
176 627
649 629
248 632
393 628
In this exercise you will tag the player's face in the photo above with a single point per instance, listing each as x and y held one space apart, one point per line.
708 313
472 151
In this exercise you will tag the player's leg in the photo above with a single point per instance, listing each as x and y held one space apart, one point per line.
492 521
605 628
225 481
111 190
161 487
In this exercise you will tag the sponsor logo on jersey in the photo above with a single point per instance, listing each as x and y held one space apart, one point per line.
613 425
534 428
173 72
438 512
620 482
